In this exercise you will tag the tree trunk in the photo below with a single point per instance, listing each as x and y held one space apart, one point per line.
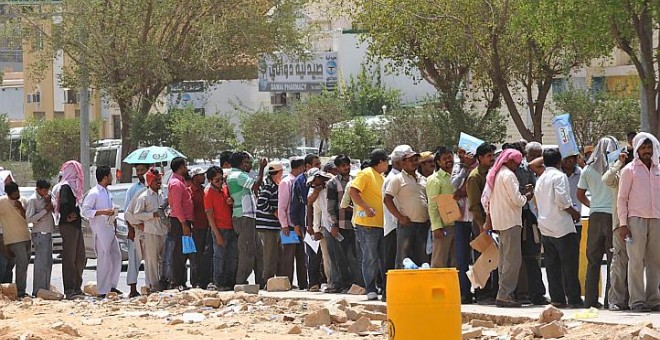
126 145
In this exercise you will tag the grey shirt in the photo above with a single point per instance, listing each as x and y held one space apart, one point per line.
35 213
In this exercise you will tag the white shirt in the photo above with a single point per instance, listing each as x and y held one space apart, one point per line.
146 204
98 198
390 221
506 201
553 195
321 217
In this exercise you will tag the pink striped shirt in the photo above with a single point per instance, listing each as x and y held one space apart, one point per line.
638 191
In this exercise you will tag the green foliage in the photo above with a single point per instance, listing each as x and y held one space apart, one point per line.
153 129
318 113
5 144
428 126
200 137
595 116
355 139
269 134
366 96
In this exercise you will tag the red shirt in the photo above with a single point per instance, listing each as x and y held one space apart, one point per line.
217 201
179 199
197 195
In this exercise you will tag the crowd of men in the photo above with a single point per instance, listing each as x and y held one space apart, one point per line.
339 231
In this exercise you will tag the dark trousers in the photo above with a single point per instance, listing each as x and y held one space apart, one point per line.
289 254
561 265
269 240
599 242
179 275
346 269
201 271
387 254
531 253
463 255
314 266
411 243
225 259
73 257
7 263
246 229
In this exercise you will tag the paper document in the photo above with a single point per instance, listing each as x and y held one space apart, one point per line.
312 243
447 208
486 263
291 239
469 143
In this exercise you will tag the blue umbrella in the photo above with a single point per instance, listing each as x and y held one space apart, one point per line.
152 154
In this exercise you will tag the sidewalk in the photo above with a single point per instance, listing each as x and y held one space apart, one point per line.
496 314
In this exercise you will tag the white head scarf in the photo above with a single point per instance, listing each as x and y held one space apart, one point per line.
598 159
639 140
3 177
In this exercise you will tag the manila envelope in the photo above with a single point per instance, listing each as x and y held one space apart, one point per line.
486 263
447 208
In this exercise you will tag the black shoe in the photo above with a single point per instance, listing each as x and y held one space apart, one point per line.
596 305
183 288
115 290
486 301
383 298
559 305
467 300
507 303
524 301
540 302
75 296
640 309
133 294
24 295
575 306
333 290
101 296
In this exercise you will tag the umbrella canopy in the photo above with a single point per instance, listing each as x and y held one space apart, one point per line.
152 154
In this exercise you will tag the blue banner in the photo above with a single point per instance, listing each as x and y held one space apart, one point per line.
565 137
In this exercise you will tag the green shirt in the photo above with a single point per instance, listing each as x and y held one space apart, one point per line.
240 190
436 184
601 194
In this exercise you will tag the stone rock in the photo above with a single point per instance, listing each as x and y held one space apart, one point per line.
374 316
635 329
2 316
550 314
9 290
338 316
278 284
357 290
472 333
49 295
649 334
175 321
222 326
141 299
361 325
318 318
294 330
340 303
55 289
552 330
64 328
249 289
212 302
352 314
112 296
144 290
91 289
482 323
92 322
288 318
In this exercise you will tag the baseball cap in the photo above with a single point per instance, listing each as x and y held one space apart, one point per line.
274 167
194 171
400 150
426 156
316 172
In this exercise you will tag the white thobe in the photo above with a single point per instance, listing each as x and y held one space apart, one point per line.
106 246
146 204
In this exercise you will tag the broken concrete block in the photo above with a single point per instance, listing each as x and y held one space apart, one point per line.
55 289
357 290
249 289
278 284
294 330
212 302
361 325
649 334
482 323
175 321
112 296
352 314
90 288
338 316
64 328
552 330
9 290
550 314
374 316
472 333
318 318
49 295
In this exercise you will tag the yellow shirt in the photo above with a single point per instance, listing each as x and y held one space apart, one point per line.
370 184
15 227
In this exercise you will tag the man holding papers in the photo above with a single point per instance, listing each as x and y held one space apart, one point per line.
443 230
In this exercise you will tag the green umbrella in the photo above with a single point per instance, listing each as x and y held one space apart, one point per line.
152 154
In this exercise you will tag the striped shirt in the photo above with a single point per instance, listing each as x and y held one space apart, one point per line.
267 206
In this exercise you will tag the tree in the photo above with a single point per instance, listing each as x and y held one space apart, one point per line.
366 95
318 113
200 137
5 144
595 116
269 134
354 138
154 129
133 49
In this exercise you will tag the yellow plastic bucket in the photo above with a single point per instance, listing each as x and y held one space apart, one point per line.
423 304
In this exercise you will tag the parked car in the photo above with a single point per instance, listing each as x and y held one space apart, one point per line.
118 193
57 238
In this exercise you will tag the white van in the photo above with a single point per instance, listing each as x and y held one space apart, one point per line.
107 152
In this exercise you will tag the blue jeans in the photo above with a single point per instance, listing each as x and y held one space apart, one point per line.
225 259
373 263
463 253
43 261
168 254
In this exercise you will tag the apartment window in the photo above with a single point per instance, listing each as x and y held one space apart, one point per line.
559 86
58 114
71 97
39 115
597 84
36 97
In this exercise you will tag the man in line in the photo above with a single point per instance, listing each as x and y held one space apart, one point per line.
639 217
218 204
243 189
7 262
599 237
133 258
426 164
268 224
556 217
201 261
476 183
147 211
345 252
465 230
39 212
405 198
317 218
505 208
291 252
443 233
366 192
298 215
69 195
181 220
98 209
573 172
16 233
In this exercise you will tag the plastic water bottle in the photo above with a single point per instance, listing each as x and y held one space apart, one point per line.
339 237
628 239
425 266
362 213
409 264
